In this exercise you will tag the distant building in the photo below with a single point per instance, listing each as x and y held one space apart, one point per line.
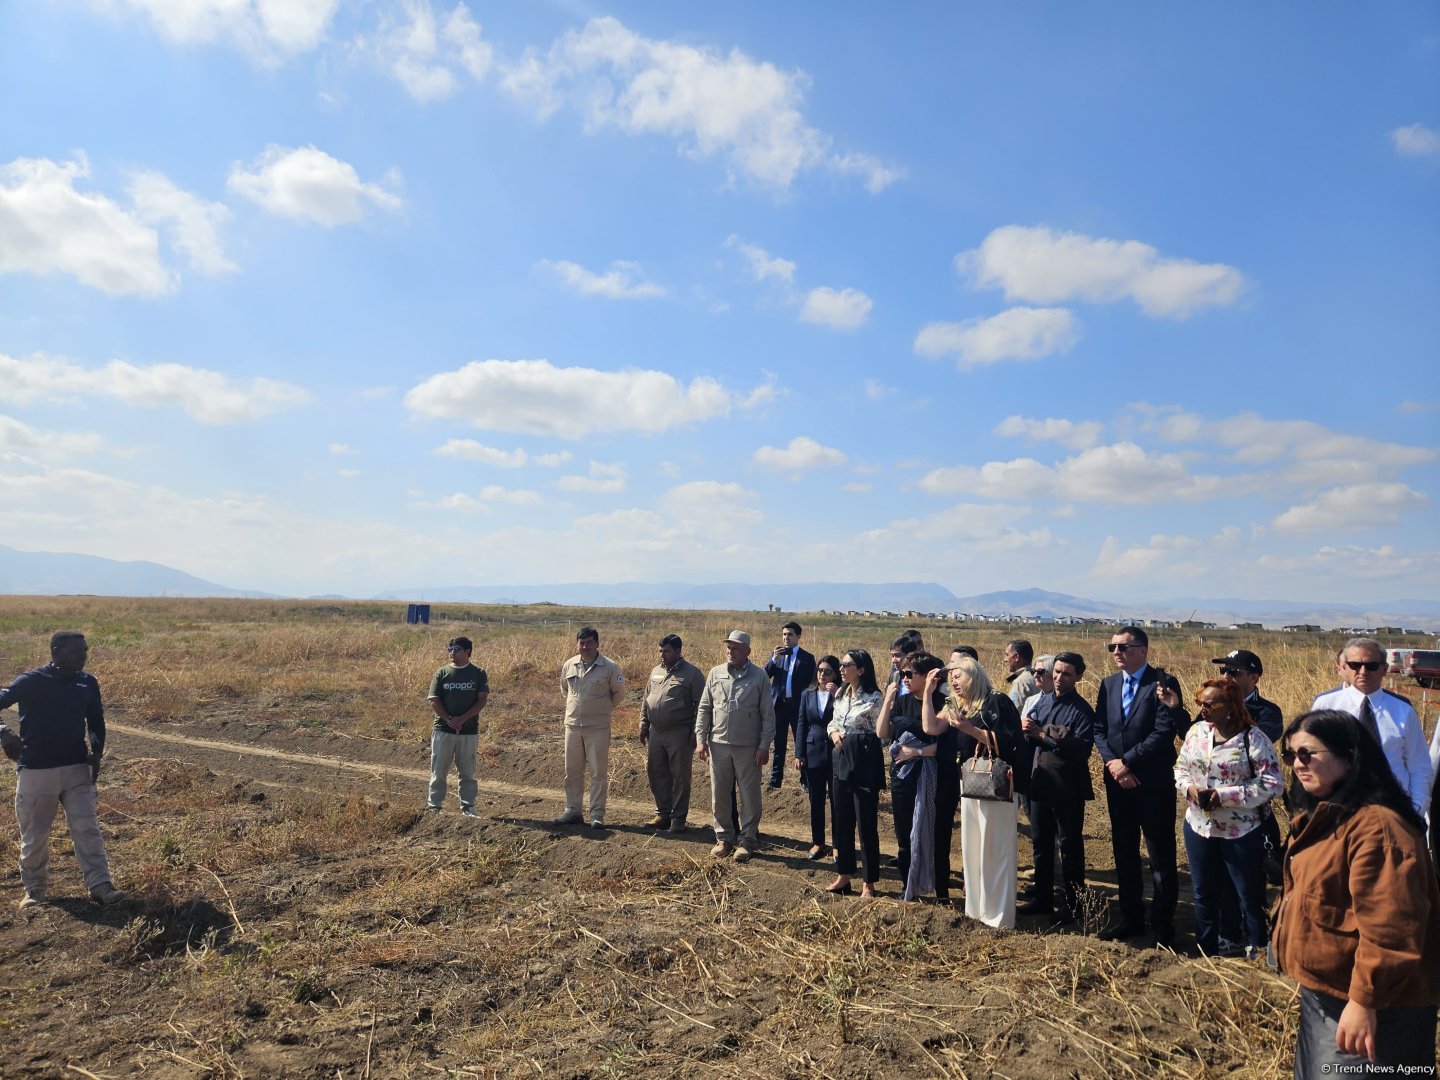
1303 628
1247 626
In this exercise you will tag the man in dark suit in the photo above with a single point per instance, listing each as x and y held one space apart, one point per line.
792 672
1137 716
1061 729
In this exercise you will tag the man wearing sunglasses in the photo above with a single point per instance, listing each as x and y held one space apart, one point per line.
1243 668
1390 718
1135 733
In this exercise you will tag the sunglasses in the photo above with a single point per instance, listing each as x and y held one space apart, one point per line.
1232 671
1364 665
847 663
1303 755
454 648
1038 672
1122 646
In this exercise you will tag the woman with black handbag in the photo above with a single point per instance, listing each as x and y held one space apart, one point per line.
994 767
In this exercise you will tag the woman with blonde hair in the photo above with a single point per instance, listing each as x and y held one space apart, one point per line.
987 723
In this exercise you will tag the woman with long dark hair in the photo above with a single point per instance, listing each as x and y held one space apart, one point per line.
812 748
983 718
1228 772
923 780
1359 919
859 772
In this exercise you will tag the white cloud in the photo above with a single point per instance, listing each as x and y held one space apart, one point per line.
1362 506
726 105
984 527
1018 333
342 449
601 480
1417 140
1335 562
206 396
348 474
459 501
623 281
1041 266
309 184
1075 435
1121 473
192 222
1410 405
839 309
513 496
802 453
423 53
470 450
876 175
1139 560
878 391
18 437
268 30
763 265
536 397
856 488
48 227
553 461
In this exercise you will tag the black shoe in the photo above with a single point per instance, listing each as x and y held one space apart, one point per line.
1165 937
1035 907
817 853
1120 931
773 785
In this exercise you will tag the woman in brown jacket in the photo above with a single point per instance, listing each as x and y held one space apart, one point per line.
1359 920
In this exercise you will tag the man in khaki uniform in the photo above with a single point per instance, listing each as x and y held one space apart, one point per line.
667 730
593 686
733 731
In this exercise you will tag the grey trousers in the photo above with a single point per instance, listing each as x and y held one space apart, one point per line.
38 794
1404 1035
669 760
733 767
446 748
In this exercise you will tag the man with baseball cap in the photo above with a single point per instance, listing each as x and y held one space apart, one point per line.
733 732
1243 669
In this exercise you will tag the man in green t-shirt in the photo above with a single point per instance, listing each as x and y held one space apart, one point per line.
457 694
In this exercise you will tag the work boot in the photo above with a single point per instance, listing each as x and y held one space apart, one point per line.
106 894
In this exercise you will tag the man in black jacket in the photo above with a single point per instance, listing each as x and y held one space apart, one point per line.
59 708
1135 734
1062 730
1243 668
792 672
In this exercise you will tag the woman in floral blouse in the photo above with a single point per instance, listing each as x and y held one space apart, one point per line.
1228 772
859 772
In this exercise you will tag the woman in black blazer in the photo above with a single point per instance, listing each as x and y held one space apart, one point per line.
812 748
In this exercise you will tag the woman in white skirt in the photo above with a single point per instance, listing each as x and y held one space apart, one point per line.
988 828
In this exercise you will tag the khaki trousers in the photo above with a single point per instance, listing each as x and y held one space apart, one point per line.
587 748
733 767
668 765
38 794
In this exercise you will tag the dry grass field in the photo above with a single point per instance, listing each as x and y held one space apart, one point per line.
293 913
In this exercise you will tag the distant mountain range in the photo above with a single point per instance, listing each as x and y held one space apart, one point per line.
40 573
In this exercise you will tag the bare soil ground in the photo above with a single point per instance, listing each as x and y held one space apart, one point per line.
293 913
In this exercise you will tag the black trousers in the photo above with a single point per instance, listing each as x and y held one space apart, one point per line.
786 713
947 801
1065 819
1148 810
817 787
856 808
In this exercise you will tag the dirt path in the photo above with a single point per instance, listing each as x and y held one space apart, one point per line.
222 755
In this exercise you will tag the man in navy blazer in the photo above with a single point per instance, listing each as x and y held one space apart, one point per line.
792 672
1135 731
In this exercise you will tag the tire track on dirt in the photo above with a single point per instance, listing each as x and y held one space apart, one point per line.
379 772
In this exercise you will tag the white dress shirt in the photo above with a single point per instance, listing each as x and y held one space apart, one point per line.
1402 737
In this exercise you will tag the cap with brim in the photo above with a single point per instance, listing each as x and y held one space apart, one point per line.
1243 659
738 637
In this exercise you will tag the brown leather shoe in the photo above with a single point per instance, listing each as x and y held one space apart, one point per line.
659 821
721 849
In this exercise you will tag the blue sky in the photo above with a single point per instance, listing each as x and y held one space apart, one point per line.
1131 301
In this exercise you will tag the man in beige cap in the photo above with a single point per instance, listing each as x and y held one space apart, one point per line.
733 731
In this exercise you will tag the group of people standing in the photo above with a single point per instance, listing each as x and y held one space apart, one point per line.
1358 924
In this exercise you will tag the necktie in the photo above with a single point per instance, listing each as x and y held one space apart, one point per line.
1128 698
1367 717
